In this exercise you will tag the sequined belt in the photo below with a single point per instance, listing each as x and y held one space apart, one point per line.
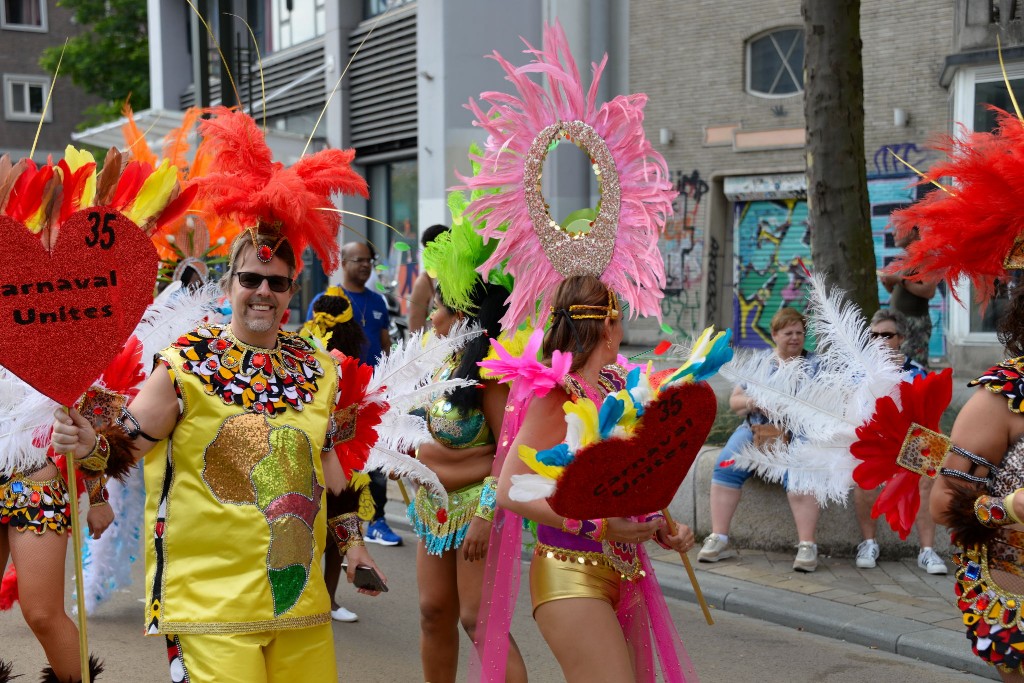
621 557
36 505
444 528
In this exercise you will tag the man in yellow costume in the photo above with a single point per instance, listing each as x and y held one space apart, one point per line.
238 424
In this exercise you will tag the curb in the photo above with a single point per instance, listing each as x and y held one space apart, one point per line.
823 617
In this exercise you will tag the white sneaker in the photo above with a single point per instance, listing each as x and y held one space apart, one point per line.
806 557
342 614
930 561
867 553
715 549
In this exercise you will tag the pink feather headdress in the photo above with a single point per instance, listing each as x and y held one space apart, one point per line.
246 184
620 243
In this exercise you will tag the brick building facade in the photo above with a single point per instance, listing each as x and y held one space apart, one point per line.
738 155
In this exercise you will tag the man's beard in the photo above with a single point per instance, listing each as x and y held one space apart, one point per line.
261 325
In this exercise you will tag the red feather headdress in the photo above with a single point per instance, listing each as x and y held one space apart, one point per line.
246 184
974 227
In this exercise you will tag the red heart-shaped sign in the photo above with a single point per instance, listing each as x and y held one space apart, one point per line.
65 313
639 475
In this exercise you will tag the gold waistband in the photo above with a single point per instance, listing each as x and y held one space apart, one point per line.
566 555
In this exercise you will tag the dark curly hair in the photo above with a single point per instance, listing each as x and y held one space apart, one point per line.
347 337
1011 326
490 308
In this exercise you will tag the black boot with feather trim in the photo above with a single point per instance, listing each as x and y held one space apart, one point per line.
7 672
95 669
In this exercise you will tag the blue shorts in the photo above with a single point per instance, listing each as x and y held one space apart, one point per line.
732 476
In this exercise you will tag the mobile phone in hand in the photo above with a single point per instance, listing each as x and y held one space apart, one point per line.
367 578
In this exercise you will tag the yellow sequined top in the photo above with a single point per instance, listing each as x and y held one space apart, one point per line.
235 514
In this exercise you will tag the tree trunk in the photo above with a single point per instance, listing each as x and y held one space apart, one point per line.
837 188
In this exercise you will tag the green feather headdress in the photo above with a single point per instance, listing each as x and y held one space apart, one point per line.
454 256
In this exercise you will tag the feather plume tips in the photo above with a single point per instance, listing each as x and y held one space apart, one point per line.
513 123
245 183
970 229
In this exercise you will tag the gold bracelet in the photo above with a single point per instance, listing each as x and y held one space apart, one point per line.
488 499
347 531
1008 504
96 461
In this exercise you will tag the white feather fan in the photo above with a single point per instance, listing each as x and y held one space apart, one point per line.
821 403
25 420
403 380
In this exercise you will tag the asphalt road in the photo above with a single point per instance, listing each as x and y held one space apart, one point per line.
383 645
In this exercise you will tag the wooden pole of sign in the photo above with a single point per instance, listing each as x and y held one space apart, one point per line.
76 544
689 571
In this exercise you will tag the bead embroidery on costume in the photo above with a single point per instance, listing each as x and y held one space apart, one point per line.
991 614
1006 378
265 381
440 528
38 506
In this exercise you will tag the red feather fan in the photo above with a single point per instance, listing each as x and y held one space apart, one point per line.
246 184
969 229
355 417
880 440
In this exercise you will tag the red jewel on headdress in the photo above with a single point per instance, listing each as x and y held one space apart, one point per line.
442 516
264 253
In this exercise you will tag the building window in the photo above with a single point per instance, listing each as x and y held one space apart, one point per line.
24 98
372 8
297 21
24 15
974 89
775 63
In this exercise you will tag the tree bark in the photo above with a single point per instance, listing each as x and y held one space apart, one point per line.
837 189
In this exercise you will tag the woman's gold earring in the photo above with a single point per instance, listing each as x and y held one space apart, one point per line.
608 343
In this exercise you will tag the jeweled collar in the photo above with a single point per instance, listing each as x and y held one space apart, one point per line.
264 381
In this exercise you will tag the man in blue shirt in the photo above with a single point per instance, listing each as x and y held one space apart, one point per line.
370 310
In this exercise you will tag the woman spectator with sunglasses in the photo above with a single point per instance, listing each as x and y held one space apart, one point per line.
890 326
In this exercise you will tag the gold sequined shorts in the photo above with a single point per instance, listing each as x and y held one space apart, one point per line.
37 505
557 574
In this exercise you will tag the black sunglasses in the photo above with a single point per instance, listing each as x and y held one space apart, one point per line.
277 283
884 335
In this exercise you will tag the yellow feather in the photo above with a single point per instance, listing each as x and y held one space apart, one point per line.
529 456
154 194
77 158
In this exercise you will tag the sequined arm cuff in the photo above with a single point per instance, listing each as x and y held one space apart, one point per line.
488 499
347 531
96 461
594 529
331 439
97 490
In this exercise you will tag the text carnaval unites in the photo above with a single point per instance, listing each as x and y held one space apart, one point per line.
64 313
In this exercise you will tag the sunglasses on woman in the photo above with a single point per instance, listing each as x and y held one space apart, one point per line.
277 283
883 335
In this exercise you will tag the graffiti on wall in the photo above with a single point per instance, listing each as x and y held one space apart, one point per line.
886 195
711 307
887 165
772 239
682 250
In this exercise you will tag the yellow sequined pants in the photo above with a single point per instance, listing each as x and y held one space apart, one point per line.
552 578
288 656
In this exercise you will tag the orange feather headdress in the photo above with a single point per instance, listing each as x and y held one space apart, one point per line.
265 196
